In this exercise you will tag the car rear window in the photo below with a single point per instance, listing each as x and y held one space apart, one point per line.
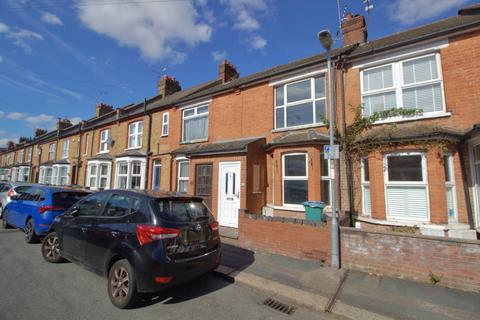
67 199
181 210
22 189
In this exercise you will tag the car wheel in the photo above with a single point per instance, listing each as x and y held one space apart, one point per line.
5 224
122 285
30 236
51 248
1 210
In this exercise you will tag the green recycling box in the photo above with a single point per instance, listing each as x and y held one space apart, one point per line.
314 211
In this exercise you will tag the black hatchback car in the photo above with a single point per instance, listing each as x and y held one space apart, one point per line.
143 241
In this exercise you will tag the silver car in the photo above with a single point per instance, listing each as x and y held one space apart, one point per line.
9 189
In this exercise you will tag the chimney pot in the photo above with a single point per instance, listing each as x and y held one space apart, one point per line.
354 29
227 71
167 86
63 124
39 132
102 109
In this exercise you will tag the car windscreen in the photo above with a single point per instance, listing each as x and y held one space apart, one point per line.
67 199
181 210
22 189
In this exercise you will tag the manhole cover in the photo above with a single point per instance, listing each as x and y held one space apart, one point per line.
279 306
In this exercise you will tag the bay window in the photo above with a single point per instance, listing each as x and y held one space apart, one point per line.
45 175
410 84
300 103
450 188
104 140
195 123
135 134
406 186
14 174
23 174
295 179
183 176
130 173
99 173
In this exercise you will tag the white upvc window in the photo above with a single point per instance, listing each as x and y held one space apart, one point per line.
130 173
195 124
325 180
29 155
156 175
294 179
300 103
406 186
450 188
104 140
183 176
45 176
51 151
14 174
165 124
365 180
415 83
23 174
21 154
60 174
87 141
99 174
135 134
66 149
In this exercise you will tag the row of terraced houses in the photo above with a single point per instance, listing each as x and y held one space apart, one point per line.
255 143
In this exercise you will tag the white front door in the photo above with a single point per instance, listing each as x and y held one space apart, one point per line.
228 194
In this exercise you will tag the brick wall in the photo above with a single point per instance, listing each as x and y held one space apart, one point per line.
456 262
286 236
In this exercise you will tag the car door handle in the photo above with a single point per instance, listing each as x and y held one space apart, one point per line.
115 233
84 229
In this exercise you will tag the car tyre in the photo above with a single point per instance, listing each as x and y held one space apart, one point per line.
122 285
30 236
51 248
5 224
1 211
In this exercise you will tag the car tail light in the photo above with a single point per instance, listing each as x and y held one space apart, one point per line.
147 234
214 226
163 279
11 193
42 209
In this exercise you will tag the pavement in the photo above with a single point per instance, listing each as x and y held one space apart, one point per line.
345 294
31 288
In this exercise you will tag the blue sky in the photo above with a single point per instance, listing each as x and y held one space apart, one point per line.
59 58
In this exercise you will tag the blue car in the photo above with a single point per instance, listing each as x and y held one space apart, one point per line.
33 211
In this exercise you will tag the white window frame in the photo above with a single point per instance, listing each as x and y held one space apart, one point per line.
165 124
179 178
15 174
365 184
423 183
137 134
129 161
98 176
66 149
56 177
312 99
195 115
21 156
293 178
399 86
87 136
104 141
29 155
451 185
43 175
51 151
156 164
328 177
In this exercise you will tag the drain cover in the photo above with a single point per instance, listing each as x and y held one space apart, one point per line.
279 306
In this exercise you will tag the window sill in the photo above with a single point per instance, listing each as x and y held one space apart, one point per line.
103 152
194 141
287 208
391 222
433 115
135 148
317 125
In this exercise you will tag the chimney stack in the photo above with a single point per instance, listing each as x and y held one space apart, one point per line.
39 132
102 109
354 29
227 72
63 124
167 86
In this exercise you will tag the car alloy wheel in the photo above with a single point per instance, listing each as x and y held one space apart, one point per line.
30 236
120 284
52 248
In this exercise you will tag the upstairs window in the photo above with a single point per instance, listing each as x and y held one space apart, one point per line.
410 84
29 155
165 123
21 156
300 103
51 151
104 140
135 134
66 149
195 123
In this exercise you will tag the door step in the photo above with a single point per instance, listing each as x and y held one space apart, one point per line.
228 232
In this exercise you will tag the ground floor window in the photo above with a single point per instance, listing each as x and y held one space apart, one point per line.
295 178
365 178
60 175
14 174
203 182
99 173
183 176
157 170
406 186
325 180
46 175
130 173
4 173
450 188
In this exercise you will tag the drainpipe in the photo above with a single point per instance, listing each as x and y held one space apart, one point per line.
79 152
468 201
149 141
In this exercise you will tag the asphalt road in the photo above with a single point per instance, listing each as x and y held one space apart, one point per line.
31 288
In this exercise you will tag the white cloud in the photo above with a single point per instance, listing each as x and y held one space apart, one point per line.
244 13
50 18
219 55
15 115
75 120
258 43
42 120
156 29
19 36
408 12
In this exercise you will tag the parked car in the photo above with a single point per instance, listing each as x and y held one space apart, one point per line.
142 241
35 208
10 189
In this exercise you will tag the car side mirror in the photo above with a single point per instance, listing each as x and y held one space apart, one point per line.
75 212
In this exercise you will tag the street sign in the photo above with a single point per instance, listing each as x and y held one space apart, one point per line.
331 152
